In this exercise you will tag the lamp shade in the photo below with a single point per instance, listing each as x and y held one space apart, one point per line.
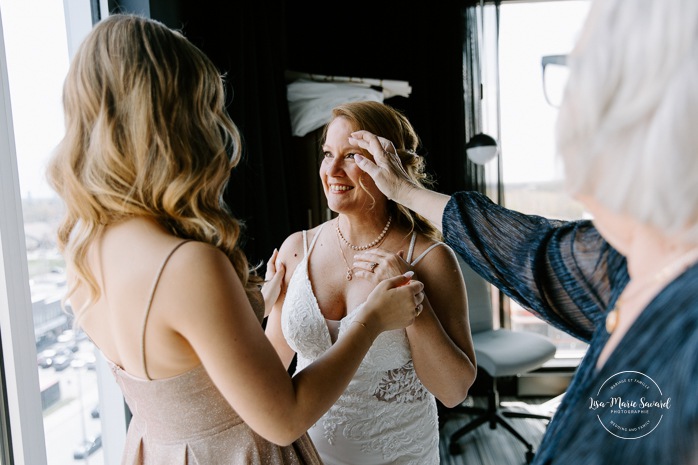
481 149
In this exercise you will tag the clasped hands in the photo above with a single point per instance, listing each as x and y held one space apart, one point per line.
374 265
377 265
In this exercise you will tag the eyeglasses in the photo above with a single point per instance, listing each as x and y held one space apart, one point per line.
555 74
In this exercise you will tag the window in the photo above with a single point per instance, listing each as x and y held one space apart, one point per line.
517 109
60 394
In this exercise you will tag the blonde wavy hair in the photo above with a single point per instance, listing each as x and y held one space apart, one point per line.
386 121
147 135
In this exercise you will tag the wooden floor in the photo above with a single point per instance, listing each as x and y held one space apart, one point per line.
485 446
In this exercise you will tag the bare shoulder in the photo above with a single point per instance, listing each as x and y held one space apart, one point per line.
198 265
440 272
437 262
433 254
292 246
292 250
200 288
193 253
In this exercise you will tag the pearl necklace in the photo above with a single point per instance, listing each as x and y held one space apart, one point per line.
350 271
670 271
376 242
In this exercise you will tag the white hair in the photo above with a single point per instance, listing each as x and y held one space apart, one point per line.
627 130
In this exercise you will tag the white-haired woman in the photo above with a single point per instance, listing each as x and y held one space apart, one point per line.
627 281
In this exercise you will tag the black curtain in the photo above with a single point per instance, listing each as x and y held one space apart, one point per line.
246 42
253 43
422 44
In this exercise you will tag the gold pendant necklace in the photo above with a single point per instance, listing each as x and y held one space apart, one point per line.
670 271
350 271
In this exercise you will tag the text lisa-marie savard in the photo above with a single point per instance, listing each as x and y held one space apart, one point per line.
619 403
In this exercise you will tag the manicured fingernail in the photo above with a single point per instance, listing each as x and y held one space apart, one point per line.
409 274
358 158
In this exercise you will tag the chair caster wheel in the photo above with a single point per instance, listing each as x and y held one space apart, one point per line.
455 449
529 456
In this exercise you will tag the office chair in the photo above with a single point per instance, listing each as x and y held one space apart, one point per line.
499 353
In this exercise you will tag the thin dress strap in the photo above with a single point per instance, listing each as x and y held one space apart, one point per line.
416 260
150 301
411 250
312 244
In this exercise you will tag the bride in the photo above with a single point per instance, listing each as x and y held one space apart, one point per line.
388 413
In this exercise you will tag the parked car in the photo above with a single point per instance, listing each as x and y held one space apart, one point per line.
66 336
61 362
45 358
87 447
67 341
85 360
68 346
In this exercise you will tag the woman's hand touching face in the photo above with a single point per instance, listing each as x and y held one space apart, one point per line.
386 169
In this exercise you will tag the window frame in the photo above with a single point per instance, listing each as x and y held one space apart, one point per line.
22 437
16 320
493 124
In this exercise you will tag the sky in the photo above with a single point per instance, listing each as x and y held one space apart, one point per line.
527 33
36 49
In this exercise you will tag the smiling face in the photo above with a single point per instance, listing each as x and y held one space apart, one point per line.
341 178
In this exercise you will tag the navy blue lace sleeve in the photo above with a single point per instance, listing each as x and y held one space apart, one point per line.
559 270
568 275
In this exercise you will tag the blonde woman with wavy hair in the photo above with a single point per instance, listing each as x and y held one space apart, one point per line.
625 282
157 278
388 414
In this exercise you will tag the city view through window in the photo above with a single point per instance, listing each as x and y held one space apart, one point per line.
36 49
532 176
66 359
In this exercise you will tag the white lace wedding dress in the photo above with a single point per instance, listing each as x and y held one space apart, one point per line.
386 415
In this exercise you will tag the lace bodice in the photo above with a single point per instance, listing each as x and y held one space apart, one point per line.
385 415
307 333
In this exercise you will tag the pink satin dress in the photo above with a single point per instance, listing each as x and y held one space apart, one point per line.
185 420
